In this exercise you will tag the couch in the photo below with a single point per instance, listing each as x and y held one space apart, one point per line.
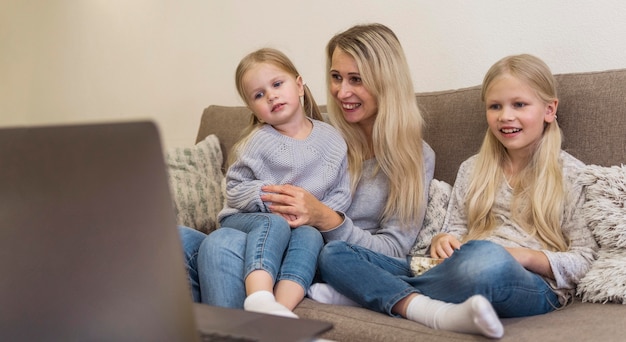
592 115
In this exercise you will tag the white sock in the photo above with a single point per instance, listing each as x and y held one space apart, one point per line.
265 302
324 293
475 315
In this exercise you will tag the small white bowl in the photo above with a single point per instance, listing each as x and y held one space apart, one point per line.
422 263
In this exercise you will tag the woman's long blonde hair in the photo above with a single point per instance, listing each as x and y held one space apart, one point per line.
397 133
280 60
539 191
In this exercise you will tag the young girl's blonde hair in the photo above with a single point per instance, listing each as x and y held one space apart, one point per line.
280 60
539 191
397 133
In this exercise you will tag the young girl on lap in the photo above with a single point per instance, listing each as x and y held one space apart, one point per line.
286 143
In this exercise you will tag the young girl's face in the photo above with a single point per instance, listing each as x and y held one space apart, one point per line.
273 94
516 115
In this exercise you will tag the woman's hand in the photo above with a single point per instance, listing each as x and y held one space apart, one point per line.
294 202
443 245
532 260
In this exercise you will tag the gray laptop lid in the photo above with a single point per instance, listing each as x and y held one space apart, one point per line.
88 245
89 249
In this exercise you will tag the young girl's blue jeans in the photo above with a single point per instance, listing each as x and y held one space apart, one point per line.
218 264
378 282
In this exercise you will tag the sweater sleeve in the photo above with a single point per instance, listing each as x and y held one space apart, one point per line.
243 190
388 237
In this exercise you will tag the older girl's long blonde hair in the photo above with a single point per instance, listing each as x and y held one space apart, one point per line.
397 133
539 190
280 60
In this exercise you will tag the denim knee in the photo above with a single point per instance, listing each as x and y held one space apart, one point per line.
247 222
191 240
219 240
273 225
481 261
330 249
274 221
310 234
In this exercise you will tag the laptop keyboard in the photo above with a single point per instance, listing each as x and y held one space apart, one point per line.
214 337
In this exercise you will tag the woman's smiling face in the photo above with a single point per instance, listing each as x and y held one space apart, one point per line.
355 100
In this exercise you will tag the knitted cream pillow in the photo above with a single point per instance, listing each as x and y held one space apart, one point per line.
605 213
195 178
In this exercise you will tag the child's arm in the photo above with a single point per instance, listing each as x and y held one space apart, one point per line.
243 190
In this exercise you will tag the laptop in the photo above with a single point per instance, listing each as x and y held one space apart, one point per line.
89 249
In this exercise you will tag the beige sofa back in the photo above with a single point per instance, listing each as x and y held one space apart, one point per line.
591 113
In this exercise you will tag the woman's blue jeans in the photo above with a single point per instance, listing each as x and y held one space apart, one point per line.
224 258
378 282
191 240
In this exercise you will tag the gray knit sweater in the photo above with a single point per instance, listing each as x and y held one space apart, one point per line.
568 267
317 164
362 223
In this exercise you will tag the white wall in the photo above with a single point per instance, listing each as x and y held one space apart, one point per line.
97 60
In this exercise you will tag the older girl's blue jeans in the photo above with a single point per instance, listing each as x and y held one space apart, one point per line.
378 282
219 263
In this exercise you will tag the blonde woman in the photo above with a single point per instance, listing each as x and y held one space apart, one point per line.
372 103
514 242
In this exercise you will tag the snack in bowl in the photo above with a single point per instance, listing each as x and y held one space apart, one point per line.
421 263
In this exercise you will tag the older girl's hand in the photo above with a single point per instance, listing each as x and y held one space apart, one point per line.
443 245
292 201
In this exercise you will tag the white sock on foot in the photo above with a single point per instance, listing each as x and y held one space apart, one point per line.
265 302
475 315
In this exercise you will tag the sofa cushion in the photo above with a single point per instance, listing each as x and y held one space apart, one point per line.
577 322
438 197
605 213
196 178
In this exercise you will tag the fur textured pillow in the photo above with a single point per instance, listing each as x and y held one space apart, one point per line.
438 197
196 178
605 213
606 281
605 205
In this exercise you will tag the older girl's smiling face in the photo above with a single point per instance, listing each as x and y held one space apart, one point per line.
516 114
357 103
